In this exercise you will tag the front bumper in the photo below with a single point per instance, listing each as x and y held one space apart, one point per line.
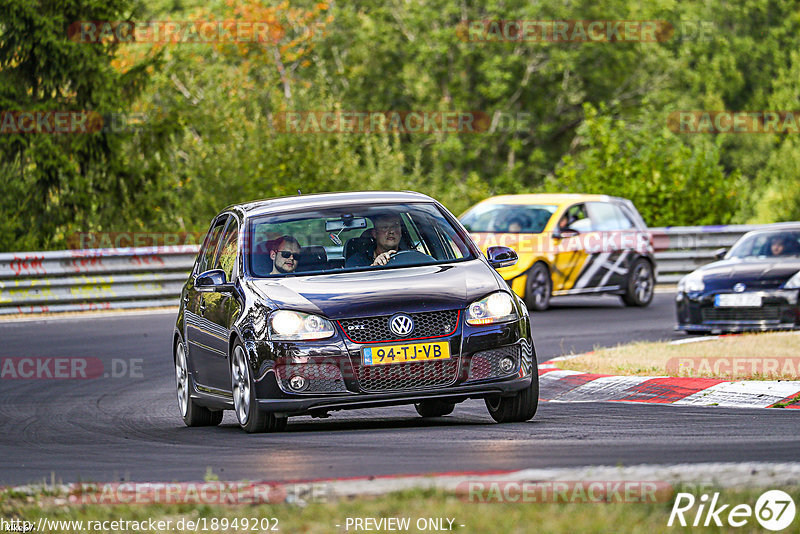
338 380
321 405
779 310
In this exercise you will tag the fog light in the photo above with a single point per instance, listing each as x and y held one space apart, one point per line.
506 364
298 383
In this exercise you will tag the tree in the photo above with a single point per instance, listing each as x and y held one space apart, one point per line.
59 183
669 182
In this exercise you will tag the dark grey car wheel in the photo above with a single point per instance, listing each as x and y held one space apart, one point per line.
434 408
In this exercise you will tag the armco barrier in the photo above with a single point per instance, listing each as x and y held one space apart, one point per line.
682 249
75 280
96 279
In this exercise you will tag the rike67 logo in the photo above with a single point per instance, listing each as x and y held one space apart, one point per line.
774 510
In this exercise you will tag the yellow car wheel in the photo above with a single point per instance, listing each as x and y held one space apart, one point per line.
538 287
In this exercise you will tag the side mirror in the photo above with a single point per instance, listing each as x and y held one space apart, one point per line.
568 232
501 257
213 281
720 253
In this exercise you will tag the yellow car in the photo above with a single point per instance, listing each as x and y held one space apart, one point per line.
568 245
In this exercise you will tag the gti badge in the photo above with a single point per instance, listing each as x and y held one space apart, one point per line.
738 288
401 324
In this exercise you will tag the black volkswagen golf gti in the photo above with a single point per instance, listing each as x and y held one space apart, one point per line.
304 305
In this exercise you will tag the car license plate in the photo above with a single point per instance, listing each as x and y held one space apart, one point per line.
734 300
415 352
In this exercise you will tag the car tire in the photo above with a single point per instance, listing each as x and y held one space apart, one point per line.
538 287
640 284
192 414
517 409
251 418
434 408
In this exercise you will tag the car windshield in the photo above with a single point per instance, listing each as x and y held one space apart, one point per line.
767 244
508 218
344 239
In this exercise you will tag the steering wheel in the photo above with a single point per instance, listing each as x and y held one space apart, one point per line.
409 257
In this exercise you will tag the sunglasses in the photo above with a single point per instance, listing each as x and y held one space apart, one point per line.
286 254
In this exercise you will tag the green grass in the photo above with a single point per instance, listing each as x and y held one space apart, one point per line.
323 517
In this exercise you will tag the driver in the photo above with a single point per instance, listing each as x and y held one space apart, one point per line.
783 245
777 245
387 231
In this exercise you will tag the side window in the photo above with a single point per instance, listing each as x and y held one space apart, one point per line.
607 217
228 249
576 218
625 221
210 246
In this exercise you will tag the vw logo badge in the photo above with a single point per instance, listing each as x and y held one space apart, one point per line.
401 324
739 287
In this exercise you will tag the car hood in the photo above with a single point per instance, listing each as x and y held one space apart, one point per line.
381 292
762 271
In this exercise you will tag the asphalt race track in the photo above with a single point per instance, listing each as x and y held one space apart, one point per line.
128 427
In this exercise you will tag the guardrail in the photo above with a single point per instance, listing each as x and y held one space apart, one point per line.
95 279
682 249
98 279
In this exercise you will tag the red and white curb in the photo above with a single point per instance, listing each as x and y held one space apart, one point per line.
560 385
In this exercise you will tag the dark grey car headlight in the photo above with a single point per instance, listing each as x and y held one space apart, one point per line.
691 283
794 282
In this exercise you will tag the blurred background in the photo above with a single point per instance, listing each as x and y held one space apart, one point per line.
588 117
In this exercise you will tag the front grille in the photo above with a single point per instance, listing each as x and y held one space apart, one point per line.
376 329
405 376
763 313
322 378
486 364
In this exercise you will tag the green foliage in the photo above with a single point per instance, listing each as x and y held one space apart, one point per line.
669 182
584 117
59 183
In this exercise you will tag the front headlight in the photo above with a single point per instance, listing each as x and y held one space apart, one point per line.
691 284
495 308
794 282
286 325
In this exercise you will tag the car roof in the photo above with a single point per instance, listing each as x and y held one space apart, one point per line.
769 228
548 198
324 200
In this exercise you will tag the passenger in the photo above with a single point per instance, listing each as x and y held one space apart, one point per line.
284 255
515 226
387 231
